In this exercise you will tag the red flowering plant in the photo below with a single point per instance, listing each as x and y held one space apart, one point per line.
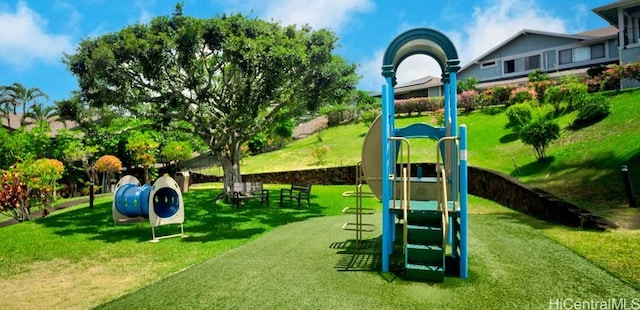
42 178
29 183
14 197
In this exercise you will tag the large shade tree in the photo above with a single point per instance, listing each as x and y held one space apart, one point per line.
229 76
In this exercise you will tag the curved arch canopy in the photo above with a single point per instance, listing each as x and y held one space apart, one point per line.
419 41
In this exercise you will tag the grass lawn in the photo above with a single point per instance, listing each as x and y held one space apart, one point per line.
302 265
85 261
259 257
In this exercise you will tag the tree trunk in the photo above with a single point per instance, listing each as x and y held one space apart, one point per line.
231 168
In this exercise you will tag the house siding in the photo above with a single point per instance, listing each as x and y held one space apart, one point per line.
527 44
613 48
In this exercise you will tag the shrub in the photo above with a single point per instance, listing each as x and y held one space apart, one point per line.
258 143
319 153
108 163
501 94
437 118
14 197
540 88
369 116
470 83
574 91
469 100
337 114
592 107
519 115
521 94
539 133
417 105
567 92
631 71
537 76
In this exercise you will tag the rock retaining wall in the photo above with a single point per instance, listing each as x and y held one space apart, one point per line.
484 183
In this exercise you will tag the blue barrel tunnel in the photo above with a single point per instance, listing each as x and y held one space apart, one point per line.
132 200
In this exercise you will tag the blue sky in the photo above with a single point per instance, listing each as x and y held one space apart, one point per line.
34 34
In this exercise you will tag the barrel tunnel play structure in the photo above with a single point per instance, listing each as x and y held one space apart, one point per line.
161 203
423 213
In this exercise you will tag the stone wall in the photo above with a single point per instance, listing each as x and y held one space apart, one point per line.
484 183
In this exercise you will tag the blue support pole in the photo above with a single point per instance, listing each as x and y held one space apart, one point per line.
386 234
391 160
464 220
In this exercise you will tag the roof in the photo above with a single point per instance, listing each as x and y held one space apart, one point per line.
13 122
418 84
600 33
609 12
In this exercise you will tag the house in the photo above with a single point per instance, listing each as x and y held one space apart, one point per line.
428 86
530 50
624 15
557 54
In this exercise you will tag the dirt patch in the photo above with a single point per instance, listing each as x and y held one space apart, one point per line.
310 127
625 217
60 284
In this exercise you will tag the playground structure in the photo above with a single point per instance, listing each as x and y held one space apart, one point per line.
161 203
431 212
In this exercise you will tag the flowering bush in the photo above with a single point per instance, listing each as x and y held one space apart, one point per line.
108 163
540 87
418 105
501 94
437 118
319 153
14 197
522 94
469 100
29 181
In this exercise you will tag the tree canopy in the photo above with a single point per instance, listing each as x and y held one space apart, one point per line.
229 76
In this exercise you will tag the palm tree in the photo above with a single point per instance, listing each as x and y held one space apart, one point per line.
38 114
5 104
20 95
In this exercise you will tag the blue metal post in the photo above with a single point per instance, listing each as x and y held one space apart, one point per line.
385 172
464 220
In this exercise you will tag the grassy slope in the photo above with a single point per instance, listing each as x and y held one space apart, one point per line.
583 165
297 266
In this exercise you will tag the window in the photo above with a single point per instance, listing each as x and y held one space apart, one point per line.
522 64
488 64
597 51
509 66
532 62
581 53
566 57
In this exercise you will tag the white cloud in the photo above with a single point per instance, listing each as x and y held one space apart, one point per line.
417 66
493 24
371 71
489 25
24 39
333 14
